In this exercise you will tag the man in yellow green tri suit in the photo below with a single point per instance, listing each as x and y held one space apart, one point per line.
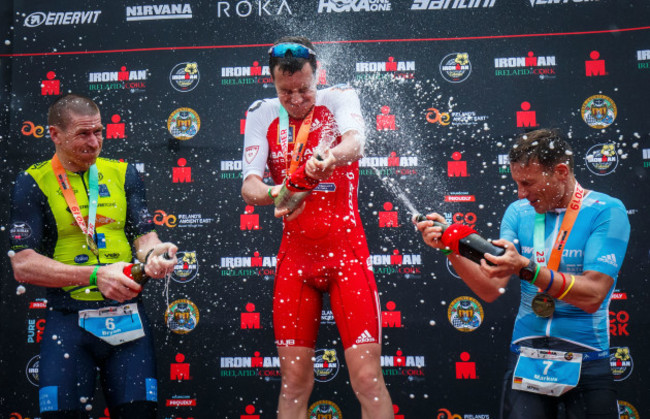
75 221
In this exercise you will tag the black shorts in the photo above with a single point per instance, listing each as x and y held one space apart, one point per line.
71 356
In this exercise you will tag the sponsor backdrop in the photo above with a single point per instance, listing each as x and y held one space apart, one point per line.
445 86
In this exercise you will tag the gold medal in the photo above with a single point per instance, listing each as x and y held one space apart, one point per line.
92 245
543 305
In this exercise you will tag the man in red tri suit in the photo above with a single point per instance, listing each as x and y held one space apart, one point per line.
323 245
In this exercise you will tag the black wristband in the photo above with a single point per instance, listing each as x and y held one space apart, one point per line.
146 258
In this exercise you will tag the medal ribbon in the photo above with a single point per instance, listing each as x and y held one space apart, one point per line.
563 235
71 199
298 143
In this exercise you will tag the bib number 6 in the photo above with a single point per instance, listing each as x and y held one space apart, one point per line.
110 325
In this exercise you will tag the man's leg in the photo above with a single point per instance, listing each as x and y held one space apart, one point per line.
368 381
297 369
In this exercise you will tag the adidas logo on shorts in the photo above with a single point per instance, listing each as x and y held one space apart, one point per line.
365 337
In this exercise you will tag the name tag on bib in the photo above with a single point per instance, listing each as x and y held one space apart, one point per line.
114 325
547 372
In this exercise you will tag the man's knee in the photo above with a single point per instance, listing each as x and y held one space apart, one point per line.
297 380
367 379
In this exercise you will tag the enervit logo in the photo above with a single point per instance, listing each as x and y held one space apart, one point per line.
246 8
451 4
184 77
61 18
456 67
339 6
602 159
158 12
598 111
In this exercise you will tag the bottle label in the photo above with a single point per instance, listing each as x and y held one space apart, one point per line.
114 325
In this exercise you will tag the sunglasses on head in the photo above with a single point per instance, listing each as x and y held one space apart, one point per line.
297 51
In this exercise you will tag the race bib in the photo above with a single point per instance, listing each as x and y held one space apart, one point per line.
547 372
115 325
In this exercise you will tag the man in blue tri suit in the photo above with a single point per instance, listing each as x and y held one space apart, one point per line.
75 220
566 244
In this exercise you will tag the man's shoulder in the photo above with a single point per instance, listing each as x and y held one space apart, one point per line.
600 200
335 92
264 105
521 207
39 167
105 164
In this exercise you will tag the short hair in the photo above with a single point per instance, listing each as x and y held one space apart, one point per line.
59 112
548 147
290 64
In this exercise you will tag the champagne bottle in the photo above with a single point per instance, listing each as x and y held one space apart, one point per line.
295 189
473 247
136 271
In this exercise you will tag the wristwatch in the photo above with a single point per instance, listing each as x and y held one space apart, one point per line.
527 273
